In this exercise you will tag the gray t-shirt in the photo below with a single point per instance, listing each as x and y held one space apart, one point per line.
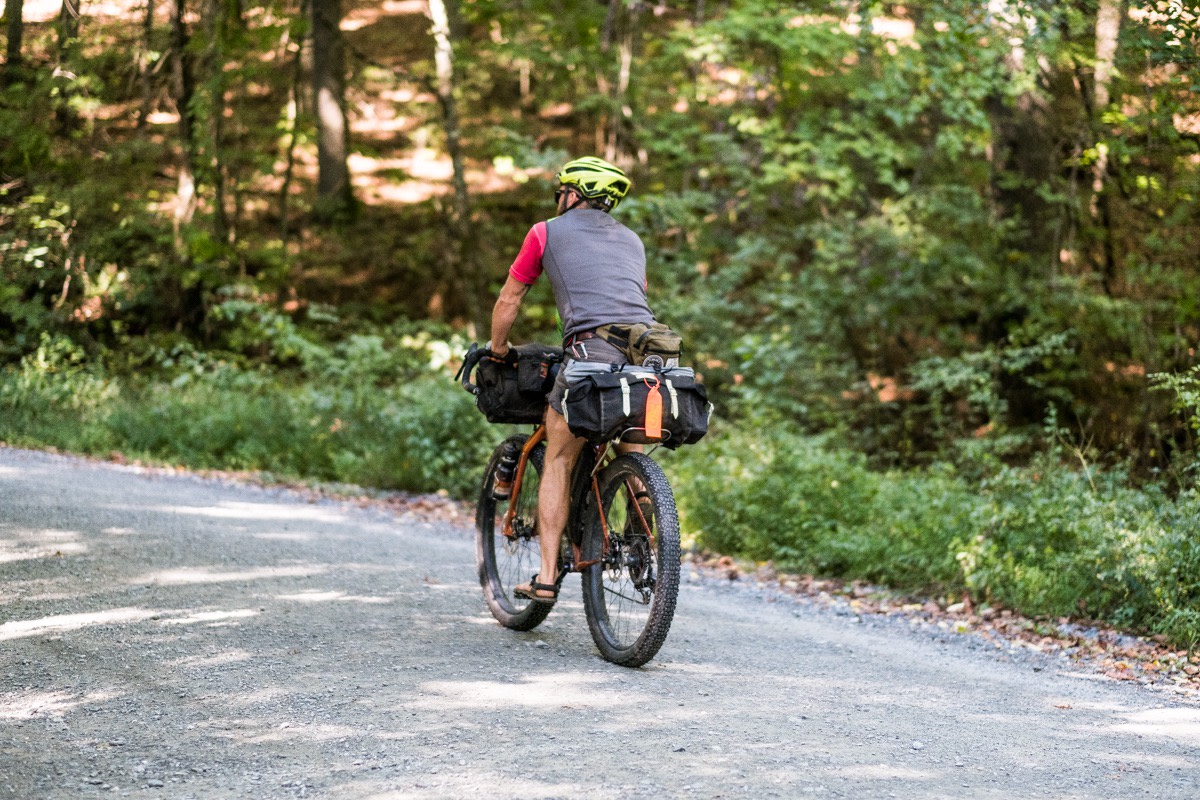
597 268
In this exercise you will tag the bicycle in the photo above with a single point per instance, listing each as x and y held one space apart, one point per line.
622 535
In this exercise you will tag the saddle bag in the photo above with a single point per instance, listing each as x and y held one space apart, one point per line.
637 405
512 390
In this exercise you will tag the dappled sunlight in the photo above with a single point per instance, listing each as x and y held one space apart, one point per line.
358 18
471 782
41 544
213 618
72 622
886 772
285 537
533 692
1179 724
255 731
186 576
332 597
27 705
257 511
48 10
221 659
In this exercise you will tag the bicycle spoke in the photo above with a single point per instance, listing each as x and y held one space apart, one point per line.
504 561
630 595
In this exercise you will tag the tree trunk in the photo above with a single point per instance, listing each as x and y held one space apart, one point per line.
214 81
68 47
291 114
441 12
145 64
1108 30
613 136
15 11
334 193
184 90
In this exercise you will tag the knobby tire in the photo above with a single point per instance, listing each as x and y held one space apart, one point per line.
504 563
629 597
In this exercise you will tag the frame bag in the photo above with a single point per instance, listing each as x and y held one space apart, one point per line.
512 390
637 405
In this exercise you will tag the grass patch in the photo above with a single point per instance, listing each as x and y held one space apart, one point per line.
419 434
1043 540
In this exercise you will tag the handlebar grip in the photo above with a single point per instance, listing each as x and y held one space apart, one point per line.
473 357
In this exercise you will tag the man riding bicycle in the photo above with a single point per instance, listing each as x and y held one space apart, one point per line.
597 269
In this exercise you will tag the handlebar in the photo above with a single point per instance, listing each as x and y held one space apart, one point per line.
470 360
474 355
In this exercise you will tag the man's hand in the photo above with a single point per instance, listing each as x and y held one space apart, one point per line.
502 353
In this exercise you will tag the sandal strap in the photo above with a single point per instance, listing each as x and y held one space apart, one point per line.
534 586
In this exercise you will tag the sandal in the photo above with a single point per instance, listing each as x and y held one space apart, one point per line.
533 591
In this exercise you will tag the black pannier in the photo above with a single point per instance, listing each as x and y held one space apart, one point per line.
638 405
512 390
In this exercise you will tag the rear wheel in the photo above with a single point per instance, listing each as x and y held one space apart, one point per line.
629 595
507 561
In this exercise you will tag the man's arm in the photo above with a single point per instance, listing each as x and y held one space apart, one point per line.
504 314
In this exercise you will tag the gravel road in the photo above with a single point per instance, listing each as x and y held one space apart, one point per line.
167 636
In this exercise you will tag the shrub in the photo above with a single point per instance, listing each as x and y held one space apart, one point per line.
793 500
56 397
1044 540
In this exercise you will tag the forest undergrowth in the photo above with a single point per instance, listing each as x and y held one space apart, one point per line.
382 411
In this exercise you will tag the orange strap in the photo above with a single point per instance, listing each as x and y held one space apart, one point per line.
654 411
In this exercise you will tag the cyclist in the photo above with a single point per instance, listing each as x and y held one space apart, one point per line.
597 269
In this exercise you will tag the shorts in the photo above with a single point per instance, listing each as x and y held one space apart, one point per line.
595 350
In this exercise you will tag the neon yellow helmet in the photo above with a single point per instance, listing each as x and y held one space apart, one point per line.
596 179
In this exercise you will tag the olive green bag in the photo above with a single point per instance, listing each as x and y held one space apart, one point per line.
641 341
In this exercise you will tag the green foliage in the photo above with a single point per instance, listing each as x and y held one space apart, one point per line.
359 416
811 507
1044 540
1186 386
57 396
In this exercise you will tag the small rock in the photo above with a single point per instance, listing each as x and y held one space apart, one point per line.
918 746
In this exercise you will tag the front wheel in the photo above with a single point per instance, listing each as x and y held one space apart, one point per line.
506 561
629 594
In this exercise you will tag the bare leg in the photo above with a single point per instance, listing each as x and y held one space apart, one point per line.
562 451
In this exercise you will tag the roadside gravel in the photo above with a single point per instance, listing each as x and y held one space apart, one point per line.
171 636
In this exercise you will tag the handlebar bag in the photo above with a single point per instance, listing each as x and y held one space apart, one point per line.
514 391
638 405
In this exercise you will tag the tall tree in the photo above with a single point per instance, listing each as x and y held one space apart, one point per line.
335 195
1108 30
292 42
621 29
15 11
441 14
145 63
68 51
184 90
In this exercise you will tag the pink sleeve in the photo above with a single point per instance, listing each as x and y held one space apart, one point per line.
528 265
